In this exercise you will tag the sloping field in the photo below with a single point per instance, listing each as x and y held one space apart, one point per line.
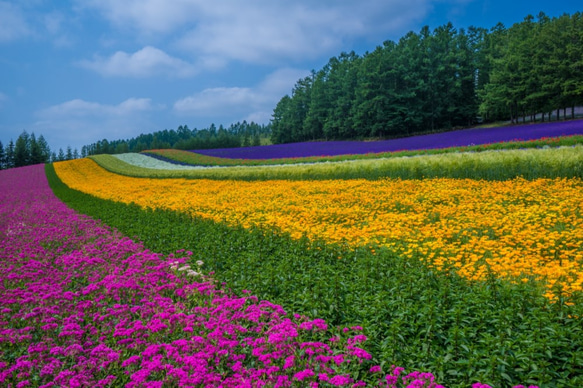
472 274
471 279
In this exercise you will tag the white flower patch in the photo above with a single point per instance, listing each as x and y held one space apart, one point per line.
145 161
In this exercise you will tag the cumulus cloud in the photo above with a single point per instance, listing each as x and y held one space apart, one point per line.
78 122
82 108
12 23
262 31
249 103
146 62
154 16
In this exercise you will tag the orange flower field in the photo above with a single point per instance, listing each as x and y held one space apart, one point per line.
516 229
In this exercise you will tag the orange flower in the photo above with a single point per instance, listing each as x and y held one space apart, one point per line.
516 229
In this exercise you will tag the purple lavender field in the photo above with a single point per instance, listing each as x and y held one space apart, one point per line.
460 138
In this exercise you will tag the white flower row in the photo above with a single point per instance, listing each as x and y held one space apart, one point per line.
141 160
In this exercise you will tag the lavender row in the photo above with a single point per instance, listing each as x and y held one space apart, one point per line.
460 138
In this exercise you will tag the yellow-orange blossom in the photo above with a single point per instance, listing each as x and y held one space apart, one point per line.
514 229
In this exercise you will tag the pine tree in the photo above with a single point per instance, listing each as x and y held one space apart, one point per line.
36 156
45 149
2 157
22 150
9 161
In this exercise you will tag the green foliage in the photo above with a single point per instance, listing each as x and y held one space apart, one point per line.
535 67
26 151
495 332
490 165
184 138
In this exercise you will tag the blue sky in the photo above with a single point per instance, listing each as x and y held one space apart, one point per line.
79 71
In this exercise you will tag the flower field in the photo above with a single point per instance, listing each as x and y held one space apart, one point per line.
477 281
84 306
515 229
470 279
146 162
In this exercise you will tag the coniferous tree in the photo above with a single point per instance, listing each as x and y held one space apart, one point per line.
9 161
45 150
22 150
282 132
2 157
36 156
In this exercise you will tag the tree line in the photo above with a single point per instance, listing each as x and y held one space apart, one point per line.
440 79
240 134
28 150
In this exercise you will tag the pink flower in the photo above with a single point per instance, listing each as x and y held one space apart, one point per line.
304 374
340 380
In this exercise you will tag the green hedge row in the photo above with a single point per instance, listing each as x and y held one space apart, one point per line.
493 332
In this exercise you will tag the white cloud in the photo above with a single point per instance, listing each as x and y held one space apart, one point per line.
249 103
154 16
146 62
82 108
12 23
262 31
79 122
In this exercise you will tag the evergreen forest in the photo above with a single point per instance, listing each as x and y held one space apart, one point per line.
439 80
29 150
241 134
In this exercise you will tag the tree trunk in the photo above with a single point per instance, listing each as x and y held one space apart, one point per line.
573 112
558 114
